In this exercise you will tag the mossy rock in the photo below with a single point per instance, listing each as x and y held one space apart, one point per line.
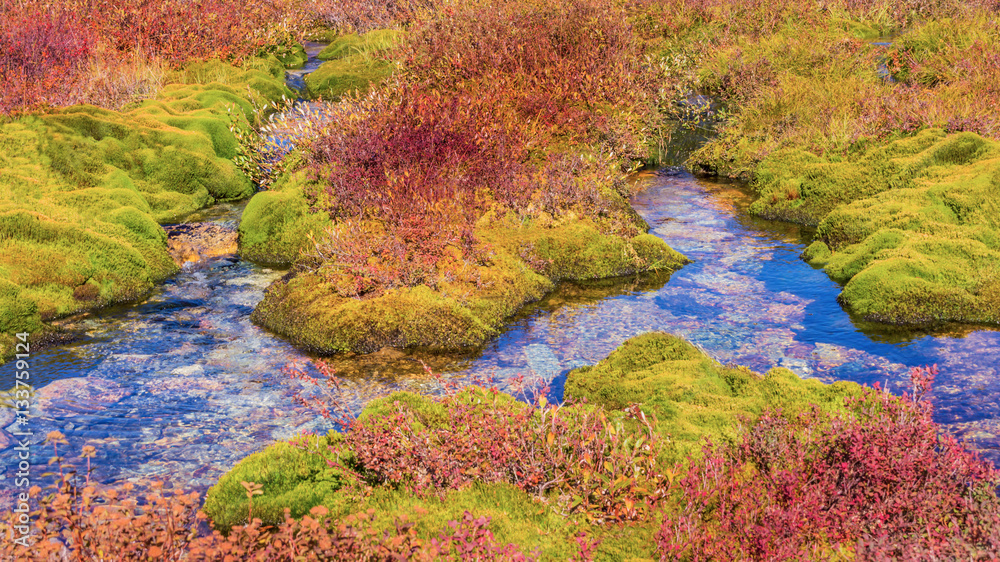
82 189
307 309
692 395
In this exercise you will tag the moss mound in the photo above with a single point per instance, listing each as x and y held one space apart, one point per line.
276 224
692 396
82 189
336 78
292 476
354 63
911 227
463 310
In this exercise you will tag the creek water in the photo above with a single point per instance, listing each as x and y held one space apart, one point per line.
182 385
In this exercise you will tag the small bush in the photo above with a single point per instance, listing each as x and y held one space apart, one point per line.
880 480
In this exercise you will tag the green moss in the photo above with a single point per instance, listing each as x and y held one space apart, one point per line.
292 56
353 44
354 63
336 78
909 226
306 308
292 477
692 395
82 189
276 224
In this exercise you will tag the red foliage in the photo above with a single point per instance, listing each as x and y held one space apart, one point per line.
46 49
39 50
180 30
598 466
881 478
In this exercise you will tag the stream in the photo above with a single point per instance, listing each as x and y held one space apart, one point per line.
182 385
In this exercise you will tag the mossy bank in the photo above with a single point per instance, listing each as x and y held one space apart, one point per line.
83 190
353 63
692 396
911 227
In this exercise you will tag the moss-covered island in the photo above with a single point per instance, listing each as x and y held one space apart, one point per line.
83 189
431 208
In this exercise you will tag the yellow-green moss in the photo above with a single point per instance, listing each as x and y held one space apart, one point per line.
82 189
338 77
375 41
292 476
277 223
354 63
306 308
692 395
911 226
292 56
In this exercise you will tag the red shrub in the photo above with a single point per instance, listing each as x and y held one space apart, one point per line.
409 177
180 30
597 466
40 52
880 478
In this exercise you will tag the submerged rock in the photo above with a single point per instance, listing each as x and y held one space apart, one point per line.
83 394
194 243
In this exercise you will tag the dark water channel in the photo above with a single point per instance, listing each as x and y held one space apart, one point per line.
182 386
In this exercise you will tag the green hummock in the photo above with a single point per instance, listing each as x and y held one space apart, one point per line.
277 224
911 227
692 396
457 314
82 190
354 63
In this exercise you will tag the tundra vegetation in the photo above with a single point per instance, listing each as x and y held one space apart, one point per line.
473 155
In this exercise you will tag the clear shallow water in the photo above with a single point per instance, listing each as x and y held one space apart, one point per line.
182 386
750 299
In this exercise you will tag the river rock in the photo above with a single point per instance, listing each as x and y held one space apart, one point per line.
83 394
193 243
